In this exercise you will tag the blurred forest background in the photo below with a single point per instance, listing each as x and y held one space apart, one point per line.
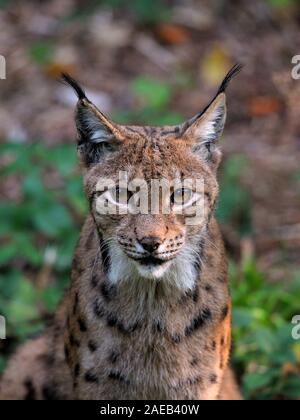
156 62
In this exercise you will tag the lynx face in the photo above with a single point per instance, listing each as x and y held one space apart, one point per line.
152 245
150 236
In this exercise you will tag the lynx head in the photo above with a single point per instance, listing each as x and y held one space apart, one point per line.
151 190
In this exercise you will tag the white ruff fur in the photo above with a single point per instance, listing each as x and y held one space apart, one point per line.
179 272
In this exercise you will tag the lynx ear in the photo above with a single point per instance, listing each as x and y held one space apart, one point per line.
208 128
205 129
97 135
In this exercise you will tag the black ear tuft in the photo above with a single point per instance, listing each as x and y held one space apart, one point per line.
78 89
232 72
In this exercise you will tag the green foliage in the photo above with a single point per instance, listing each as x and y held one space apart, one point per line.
297 177
41 52
154 98
42 221
145 11
234 202
156 94
263 343
262 311
4 3
282 4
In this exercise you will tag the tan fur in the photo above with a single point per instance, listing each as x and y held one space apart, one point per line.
119 334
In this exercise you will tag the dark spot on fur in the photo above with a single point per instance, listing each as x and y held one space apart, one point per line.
208 288
199 321
49 393
113 356
192 294
118 377
58 330
98 309
195 294
157 327
30 390
92 346
82 324
111 320
47 359
176 338
194 381
74 341
225 312
194 361
213 345
222 341
76 370
213 378
76 300
67 353
50 360
107 291
91 377
94 280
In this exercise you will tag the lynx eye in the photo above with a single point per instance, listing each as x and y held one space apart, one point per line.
182 196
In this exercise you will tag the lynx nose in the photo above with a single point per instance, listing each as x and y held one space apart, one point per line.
150 243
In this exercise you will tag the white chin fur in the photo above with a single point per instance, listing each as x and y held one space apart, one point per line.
151 271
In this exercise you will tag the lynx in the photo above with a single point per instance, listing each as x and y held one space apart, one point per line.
148 311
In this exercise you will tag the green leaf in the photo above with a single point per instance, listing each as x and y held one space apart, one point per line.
155 94
41 52
281 4
9 283
8 252
53 221
256 381
61 158
241 317
51 297
291 387
32 184
66 250
4 4
23 307
145 11
2 359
